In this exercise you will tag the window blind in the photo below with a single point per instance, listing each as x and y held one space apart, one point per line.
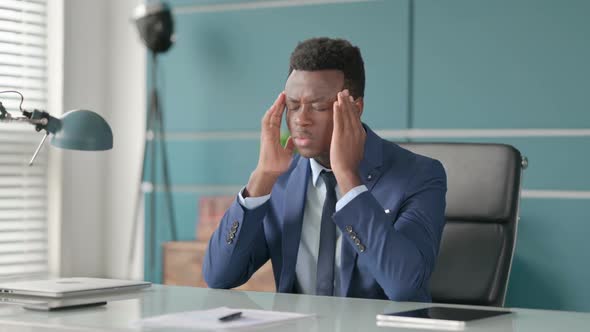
23 189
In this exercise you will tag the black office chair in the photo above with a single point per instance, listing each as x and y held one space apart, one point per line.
478 240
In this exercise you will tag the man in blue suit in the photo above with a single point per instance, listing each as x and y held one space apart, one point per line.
350 214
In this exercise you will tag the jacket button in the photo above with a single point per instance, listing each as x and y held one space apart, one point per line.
348 228
357 241
361 248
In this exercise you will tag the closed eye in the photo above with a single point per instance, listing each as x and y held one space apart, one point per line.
292 106
317 107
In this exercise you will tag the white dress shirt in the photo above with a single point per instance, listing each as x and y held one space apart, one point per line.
309 245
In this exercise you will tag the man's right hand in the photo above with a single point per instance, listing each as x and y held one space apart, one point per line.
274 159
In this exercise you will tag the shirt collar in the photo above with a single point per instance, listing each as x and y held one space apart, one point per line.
316 170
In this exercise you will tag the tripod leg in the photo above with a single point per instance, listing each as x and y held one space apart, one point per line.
167 192
140 191
152 219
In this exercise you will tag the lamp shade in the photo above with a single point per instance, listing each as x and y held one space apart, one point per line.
83 130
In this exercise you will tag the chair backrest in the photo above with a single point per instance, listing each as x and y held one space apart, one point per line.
477 246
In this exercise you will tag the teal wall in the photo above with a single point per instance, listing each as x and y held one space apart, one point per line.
431 64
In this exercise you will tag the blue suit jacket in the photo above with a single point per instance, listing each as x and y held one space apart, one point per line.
399 222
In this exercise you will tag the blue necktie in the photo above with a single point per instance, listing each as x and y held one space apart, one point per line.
325 273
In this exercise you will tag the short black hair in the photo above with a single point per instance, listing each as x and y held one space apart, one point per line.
326 53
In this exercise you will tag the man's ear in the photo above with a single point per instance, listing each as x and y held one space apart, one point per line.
360 104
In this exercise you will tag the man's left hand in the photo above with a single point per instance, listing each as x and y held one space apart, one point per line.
348 142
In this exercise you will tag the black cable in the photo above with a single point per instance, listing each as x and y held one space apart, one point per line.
22 98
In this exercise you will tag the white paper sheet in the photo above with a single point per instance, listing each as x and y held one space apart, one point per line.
209 319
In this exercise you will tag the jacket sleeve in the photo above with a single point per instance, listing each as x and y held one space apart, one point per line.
400 252
237 248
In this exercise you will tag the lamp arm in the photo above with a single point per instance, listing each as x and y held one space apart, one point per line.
40 119
36 122
40 124
43 121
38 149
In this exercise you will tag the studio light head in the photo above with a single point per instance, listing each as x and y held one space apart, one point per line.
155 25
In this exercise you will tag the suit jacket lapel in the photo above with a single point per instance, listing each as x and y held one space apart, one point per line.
295 194
370 172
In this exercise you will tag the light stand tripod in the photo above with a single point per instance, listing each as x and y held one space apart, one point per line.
154 130
155 25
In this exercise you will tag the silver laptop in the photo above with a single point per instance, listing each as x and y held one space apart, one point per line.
69 287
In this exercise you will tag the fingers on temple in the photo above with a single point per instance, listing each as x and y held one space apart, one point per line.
278 109
345 116
274 113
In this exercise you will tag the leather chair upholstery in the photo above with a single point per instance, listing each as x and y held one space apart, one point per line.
479 237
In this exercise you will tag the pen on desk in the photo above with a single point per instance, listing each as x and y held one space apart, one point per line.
231 316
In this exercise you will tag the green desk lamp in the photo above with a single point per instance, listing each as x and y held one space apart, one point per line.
74 130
